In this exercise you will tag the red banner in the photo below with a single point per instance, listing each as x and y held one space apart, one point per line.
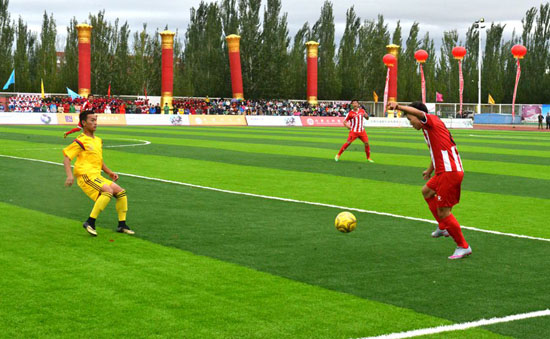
423 83
386 88
322 121
460 83
518 74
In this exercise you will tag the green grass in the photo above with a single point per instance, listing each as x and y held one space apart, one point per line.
211 264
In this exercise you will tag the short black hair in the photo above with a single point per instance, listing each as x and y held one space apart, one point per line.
83 116
354 100
420 106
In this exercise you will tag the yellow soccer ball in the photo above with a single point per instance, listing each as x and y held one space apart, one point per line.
345 222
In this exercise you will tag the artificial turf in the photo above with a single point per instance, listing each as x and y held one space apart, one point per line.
390 264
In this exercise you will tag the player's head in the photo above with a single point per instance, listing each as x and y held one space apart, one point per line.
90 96
415 122
88 120
355 104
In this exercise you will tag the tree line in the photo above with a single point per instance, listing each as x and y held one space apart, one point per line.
273 63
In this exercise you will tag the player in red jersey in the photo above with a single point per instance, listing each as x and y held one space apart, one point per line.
86 107
354 122
442 191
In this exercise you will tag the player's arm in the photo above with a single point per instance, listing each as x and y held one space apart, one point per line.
68 170
111 174
346 122
428 172
407 109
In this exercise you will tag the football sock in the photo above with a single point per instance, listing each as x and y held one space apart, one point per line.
91 221
100 204
432 204
453 227
346 145
121 206
367 150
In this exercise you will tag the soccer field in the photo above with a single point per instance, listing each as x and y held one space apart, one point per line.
208 261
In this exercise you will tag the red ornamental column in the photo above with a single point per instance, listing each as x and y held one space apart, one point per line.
392 86
233 46
167 68
84 32
312 60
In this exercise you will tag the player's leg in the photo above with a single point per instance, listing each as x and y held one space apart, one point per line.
100 204
92 187
430 196
448 196
121 208
365 139
351 138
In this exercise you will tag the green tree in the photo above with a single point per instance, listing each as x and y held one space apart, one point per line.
409 76
101 53
447 68
22 57
69 67
297 70
349 69
274 60
121 60
6 42
323 32
428 45
470 67
249 17
493 81
47 56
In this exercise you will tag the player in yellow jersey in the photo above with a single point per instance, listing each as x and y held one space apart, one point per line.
88 150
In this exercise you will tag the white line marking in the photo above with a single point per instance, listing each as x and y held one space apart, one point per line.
142 143
296 201
462 326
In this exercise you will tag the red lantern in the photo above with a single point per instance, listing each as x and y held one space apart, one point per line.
459 52
389 60
421 56
519 51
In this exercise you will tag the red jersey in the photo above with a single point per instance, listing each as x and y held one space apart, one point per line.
87 106
356 120
445 157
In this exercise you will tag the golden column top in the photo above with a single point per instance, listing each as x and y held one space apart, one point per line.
393 49
312 49
233 42
167 38
84 32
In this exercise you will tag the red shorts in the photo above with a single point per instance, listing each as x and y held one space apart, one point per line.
447 187
361 135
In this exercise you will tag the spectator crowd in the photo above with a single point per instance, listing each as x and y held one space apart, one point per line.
217 106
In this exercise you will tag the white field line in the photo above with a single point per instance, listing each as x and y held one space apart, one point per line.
295 201
142 143
462 326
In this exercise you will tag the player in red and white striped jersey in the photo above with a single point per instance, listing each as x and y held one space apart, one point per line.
442 191
354 122
86 107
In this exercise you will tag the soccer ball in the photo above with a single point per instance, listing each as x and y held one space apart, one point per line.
345 222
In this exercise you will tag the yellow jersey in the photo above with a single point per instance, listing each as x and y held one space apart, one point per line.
89 155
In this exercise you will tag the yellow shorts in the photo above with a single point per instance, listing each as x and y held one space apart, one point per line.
91 185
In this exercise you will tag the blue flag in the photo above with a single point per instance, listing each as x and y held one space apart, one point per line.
72 94
11 80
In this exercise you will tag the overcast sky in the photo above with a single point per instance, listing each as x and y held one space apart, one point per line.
434 16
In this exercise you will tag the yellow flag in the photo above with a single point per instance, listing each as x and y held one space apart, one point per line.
491 100
42 88
375 96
